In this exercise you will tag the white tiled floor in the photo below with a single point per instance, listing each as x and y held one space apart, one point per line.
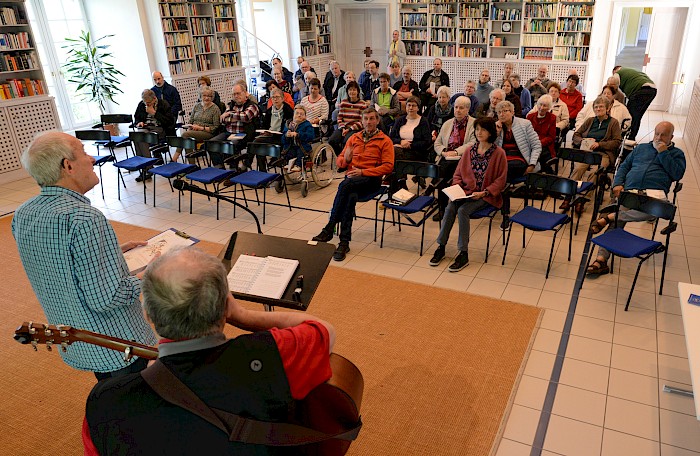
609 400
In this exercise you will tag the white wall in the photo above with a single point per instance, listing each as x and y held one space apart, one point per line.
272 29
128 45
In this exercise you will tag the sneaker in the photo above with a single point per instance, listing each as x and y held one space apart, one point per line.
438 256
340 252
141 178
461 262
323 236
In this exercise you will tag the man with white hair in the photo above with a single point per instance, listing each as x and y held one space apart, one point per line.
299 82
538 85
614 81
72 258
489 109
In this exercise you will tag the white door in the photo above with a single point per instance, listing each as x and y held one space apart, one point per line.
369 29
644 27
665 35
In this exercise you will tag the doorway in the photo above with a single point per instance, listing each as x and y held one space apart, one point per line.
365 28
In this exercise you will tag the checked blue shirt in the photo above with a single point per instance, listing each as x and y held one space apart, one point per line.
78 272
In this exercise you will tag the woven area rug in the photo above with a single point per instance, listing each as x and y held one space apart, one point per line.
440 366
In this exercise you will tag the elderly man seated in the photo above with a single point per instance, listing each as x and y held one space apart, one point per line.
489 109
368 155
538 85
469 89
650 166
240 117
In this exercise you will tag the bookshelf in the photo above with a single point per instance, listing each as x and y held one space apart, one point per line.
314 27
199 36
513 29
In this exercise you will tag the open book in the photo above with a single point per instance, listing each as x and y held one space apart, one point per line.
402 197
268 277
269 132
139 257
455 192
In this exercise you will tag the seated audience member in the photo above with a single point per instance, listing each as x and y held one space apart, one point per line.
71 256
204 121
371 81
617 110
333 82
538 85
167 92
368 156
481 173
205 83
300 80
304 66
241 116
559 108
525 98
507 88
406 87
187 299
440 111
614 81
154 115
579 85
296 139
545 124
484 87
275 118
304 91
343 94
397 50
411 134
349 118
386 102
269 87
316 104
282 83
431 82
650 166
602 128
519 140
507 73
469 89
572 98
286 74
365 74
451 144
394 74
489 109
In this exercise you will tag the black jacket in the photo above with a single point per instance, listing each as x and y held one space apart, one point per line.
287 114
328 86
422 137
163 115
423 85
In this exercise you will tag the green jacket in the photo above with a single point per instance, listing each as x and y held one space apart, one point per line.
632 80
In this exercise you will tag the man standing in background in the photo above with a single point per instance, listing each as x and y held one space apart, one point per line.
640 90
167 92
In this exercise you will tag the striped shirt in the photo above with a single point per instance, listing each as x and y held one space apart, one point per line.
350 114
315 109
78 273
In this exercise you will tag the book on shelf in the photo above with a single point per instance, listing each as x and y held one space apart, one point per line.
268 277
138 258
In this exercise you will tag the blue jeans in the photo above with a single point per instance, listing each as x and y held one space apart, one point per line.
461 210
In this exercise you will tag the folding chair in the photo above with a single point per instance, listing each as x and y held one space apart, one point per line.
422 205
586 187
535 219
489 212
120 140
627 245
136 163
377 197
156 146
174 169
213 175
100 160
258 179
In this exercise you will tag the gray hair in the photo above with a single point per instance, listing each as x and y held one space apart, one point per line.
545 100
347 73
309 75
209 92
444 89
463 101
148 94
43 158
407 67
241 83
615 78
496 92
602 100
504 105
277 91
184 293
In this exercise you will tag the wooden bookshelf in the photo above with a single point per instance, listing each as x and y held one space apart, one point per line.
314 27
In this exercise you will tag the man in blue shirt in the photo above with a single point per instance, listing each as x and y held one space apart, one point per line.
651 166
167 92
72 259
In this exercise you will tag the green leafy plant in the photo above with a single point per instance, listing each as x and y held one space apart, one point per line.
87 66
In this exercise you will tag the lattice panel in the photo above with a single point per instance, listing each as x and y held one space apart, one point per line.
221 82
32 118
320 64
9 152
462 70
692 131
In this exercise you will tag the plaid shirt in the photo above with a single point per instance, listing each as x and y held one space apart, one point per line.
78 272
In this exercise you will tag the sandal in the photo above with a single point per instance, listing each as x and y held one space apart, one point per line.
597 227
598 268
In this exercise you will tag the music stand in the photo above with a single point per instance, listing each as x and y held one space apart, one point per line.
313 262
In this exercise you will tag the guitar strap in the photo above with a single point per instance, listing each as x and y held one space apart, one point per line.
239 429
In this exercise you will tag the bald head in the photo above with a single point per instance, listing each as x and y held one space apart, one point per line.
158 78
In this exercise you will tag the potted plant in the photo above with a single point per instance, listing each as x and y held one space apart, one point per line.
88 66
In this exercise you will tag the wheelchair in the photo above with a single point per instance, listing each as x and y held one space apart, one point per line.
318 165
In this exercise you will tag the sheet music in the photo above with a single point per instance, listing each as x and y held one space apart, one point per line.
268 277
139 257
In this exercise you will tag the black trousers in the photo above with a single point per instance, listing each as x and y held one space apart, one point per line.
350 190
637 105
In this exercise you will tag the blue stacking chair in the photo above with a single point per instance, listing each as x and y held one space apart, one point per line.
136 163
212 175
585 188
489 212
156 146
174 169
258 179
534 219
627 245
120 140
100 160
424 206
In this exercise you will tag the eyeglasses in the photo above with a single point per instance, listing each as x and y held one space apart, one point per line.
504 111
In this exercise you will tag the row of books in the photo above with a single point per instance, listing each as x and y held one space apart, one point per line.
203 63
509 14
444 50
324 49
308 49
18 88
549 10
414 35
538 26
538 40
203 44
12 15
321 8
443 35
179 53
443 9
228 61
442 21
575 10
227 44
172 10
225 26
574 25
473 23
182 67
471 52
579 54
10 41
202 26
577 39
415 48
414 20
474 11
537 54
18 62
174 25
323 39
472 37
223 11
177 39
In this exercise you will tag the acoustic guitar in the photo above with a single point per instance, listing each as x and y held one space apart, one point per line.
332 407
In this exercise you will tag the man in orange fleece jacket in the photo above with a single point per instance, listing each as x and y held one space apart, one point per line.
368 155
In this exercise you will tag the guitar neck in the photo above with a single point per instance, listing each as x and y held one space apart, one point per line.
114 343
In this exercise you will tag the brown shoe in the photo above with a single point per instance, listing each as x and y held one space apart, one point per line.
565 205
579 208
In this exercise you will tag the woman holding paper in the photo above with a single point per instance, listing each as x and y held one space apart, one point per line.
601 133
478 182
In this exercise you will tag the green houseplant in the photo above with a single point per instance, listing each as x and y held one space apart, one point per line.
87 66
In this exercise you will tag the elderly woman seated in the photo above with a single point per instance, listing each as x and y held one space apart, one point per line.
204 121
411 134
481 174
441 111
205 83
545 124
617 110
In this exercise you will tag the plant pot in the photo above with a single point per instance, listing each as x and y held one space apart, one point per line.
113 129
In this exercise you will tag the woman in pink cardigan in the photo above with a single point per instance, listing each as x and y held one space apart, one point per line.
481 173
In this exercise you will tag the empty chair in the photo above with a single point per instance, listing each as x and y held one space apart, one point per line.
212 175
585 188
100 136
174 169
118 140
156 146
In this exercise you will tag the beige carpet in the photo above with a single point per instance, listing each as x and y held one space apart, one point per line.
439 366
